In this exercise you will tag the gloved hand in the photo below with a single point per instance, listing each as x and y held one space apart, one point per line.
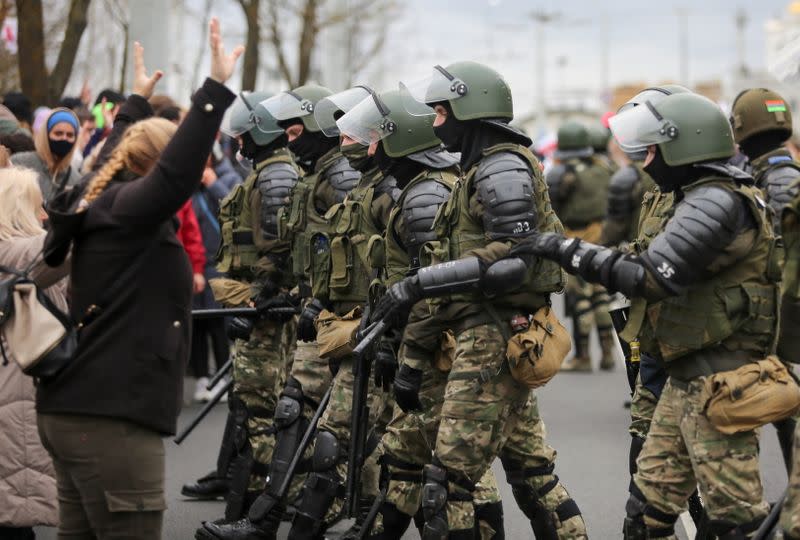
239 328
547 245
406 388
395 304
385 365
306 331
285 301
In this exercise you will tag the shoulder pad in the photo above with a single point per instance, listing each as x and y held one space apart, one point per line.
780 186
726 169
435 158
342 177
274 183
705 222
420 206
620 192
387 186
504 185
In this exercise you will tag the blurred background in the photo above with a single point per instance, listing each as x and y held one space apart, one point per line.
566 59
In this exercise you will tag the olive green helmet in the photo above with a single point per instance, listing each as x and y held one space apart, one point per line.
384 118
473 91
329 109
573 141
759 110
298 103
246 115
598 136
688 128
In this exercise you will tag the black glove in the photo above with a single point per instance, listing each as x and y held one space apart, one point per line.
239 328
269 308
406 388
395 304
385 365
547 245
306 331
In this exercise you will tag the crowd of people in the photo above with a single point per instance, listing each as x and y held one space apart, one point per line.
398 251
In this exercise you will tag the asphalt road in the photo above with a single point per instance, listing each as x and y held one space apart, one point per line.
586 422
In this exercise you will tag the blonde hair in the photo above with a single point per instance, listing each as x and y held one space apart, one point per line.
41 140
138 152
20 203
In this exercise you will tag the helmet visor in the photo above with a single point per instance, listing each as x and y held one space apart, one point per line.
653 95
288 105
265 122
367 122
640 127
326 109
438 86
238 118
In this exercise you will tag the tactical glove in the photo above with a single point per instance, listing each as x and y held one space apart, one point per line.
385 365
279 308
547 245
395 304
239 328
406 388
306 331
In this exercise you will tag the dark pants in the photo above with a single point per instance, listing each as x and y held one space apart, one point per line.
202 329
109 474
17 533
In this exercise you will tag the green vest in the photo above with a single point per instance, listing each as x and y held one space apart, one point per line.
397 261
354 246
588 199
734 311
239 250
459 232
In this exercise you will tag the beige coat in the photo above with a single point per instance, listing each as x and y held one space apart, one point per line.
27 480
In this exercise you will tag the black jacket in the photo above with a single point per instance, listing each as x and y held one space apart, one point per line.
131 356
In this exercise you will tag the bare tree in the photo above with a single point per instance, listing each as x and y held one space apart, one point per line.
250 62
41 86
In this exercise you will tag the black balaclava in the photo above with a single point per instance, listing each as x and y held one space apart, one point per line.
763 143
402 168
310 145
358 158
256 153
671 178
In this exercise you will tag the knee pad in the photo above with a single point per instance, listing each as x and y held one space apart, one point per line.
290 404
434 503
327 452
491 514
728 530
637 509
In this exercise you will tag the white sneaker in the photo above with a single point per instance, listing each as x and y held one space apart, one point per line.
219 388
201 395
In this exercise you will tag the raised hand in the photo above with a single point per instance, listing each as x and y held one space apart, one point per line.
222 65
143 84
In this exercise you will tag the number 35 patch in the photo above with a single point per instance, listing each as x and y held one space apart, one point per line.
666 270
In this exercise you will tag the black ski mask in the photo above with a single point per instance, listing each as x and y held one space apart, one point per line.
402 168
256 153
671 178
310 146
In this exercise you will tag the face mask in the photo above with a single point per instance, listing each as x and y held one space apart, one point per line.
60 148
310 146
356 154
383 161
450 133
668 178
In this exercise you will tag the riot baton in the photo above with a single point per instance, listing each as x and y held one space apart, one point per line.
226 367
203 412
770 522
241 312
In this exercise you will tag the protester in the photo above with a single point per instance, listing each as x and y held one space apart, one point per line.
27 478
104 415
19 104
52 159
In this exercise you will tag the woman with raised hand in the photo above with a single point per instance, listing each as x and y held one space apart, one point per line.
103 416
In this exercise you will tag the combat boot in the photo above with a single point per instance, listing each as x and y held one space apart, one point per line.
609 346
354 532
208 487
244 529
577 364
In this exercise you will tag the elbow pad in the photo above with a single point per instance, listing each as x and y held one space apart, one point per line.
451 277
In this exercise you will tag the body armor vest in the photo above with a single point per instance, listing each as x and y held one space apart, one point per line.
403 255
458 233
736 309
239 249
588 198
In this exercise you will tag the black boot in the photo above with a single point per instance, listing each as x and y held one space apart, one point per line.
364 506
239 530
206 488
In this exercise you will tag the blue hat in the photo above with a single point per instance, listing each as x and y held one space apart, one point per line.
62 116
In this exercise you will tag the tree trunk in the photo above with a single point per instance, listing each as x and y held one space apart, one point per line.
30 37
250 68
308 37
76 24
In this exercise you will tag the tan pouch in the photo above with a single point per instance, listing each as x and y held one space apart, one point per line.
229 292
446 353
535 355
336 336
757 393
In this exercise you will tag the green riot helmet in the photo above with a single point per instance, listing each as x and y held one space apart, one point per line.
758 110
333 107
687 128
246 116
384 118
654 95
298 103
473 91
598 136
573 141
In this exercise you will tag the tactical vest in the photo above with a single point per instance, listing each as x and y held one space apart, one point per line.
588 199
459 232
238 252
645 185
736 309
353 247
300 221
398 262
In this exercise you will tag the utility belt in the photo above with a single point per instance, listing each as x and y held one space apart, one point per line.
707 362
242 237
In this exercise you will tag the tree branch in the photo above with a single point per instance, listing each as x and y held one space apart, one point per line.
76 24
277 43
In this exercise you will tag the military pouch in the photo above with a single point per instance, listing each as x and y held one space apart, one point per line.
319 265
341 263
446 353
535 355
757 393
336 336
789 337
376 251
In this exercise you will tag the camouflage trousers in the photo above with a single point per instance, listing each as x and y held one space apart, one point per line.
790 515
587 303
407 446
643 405
684 450
497 417
260 365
